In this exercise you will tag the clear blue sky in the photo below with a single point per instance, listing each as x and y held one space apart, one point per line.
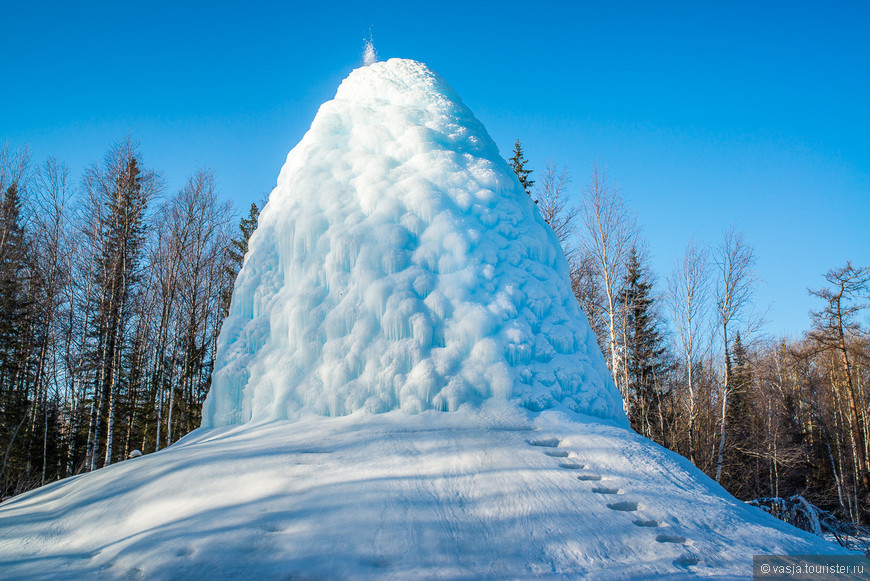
706 114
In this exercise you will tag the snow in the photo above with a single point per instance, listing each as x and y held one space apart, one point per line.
405 389
399 265
488 492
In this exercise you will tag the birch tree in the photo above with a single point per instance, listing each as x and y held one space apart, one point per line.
52 198
688 298
735 282
608 232
551 196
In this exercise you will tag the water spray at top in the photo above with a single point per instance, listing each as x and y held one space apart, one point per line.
370 55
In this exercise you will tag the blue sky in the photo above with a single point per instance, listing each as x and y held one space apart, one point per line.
706 114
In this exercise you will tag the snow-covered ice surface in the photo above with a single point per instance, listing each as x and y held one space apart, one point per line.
405 389
399 265
495 492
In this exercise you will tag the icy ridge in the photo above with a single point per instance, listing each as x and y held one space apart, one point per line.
399 265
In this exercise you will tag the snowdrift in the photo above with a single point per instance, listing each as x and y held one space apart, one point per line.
495 492
405 389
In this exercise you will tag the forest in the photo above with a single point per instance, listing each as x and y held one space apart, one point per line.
768 418
113 294
114 291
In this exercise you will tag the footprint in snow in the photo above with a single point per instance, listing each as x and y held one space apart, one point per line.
647 523
624 506
605 490
589 477
677 539
547 443
557 453
571 466
686 561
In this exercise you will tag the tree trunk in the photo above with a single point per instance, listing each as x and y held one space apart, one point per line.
110 421
853 406
726 387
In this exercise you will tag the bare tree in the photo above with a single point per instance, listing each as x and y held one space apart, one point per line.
165 262
801 356
52 197
587 291
551 196
734 286
834 327
14 165
190 270
118 193
609 230
205 219
688 298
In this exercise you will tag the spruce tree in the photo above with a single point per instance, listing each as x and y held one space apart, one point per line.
518 164
236 250
646 358
739 405
16 363
739 415
12 273
239 245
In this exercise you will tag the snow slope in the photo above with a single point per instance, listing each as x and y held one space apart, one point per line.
399 265
474 494
405 389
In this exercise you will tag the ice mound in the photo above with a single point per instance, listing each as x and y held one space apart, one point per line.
399 265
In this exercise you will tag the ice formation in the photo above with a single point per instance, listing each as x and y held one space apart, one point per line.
399 265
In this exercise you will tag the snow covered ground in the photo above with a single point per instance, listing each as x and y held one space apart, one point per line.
496 492
405 388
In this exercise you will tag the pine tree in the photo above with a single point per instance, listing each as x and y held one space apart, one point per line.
646 359
739 405
239 245
16 363
739 416
236 250
12 273
518 164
